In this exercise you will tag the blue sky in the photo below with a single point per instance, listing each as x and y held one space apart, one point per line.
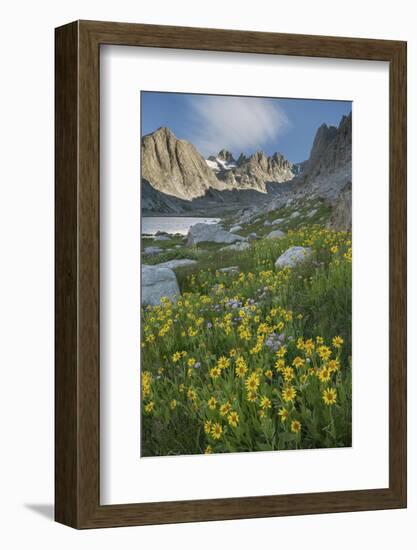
241 124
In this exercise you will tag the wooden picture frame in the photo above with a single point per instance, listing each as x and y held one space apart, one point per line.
77 405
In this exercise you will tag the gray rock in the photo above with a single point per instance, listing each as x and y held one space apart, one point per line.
293 256
214 233
151 251
158 282
277 221
341 219
252 237
267 223
277 234
173 264
238 246
312 213
295 214
231 269
235 229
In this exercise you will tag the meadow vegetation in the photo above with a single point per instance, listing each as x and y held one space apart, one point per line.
255 358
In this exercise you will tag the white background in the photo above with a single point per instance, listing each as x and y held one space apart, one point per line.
26 300
126 478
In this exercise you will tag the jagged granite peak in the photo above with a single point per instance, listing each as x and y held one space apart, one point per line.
329 167
225 156
324 135
242 159
175 167
253 172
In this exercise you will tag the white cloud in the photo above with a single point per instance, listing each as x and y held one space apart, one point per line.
240 124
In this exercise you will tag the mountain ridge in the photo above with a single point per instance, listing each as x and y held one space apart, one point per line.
177 178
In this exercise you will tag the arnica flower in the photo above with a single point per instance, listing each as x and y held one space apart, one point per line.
223 362
208 450
173 404
288 374
207 426
329 396
252 383
268 373
300 343
295 426
289 393
149 407
279 364
324 352
212 403
233 419
225 408
333 365
215 372
192 394
146 383
324 374
265 402
176 357
298 362
251 396
191 362
281 352
309 347
241 367
283 414
216 431
337 342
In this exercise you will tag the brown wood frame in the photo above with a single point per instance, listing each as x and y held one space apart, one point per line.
77 361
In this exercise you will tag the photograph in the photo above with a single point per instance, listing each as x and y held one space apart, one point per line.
246 274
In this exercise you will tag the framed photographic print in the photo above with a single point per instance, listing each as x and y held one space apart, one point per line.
230 274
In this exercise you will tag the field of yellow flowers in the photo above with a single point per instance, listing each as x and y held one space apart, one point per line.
255 359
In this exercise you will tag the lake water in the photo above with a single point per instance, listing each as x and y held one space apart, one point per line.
172 224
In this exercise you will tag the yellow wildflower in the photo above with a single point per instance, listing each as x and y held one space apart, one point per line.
212 403
295 426
233 419
207 426
225 408
223 362
265 402
216 431
288 393
215 372
337 342
329 396
283 414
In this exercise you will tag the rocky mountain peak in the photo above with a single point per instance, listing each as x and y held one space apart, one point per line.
175 167
329 168
324 135
225 156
